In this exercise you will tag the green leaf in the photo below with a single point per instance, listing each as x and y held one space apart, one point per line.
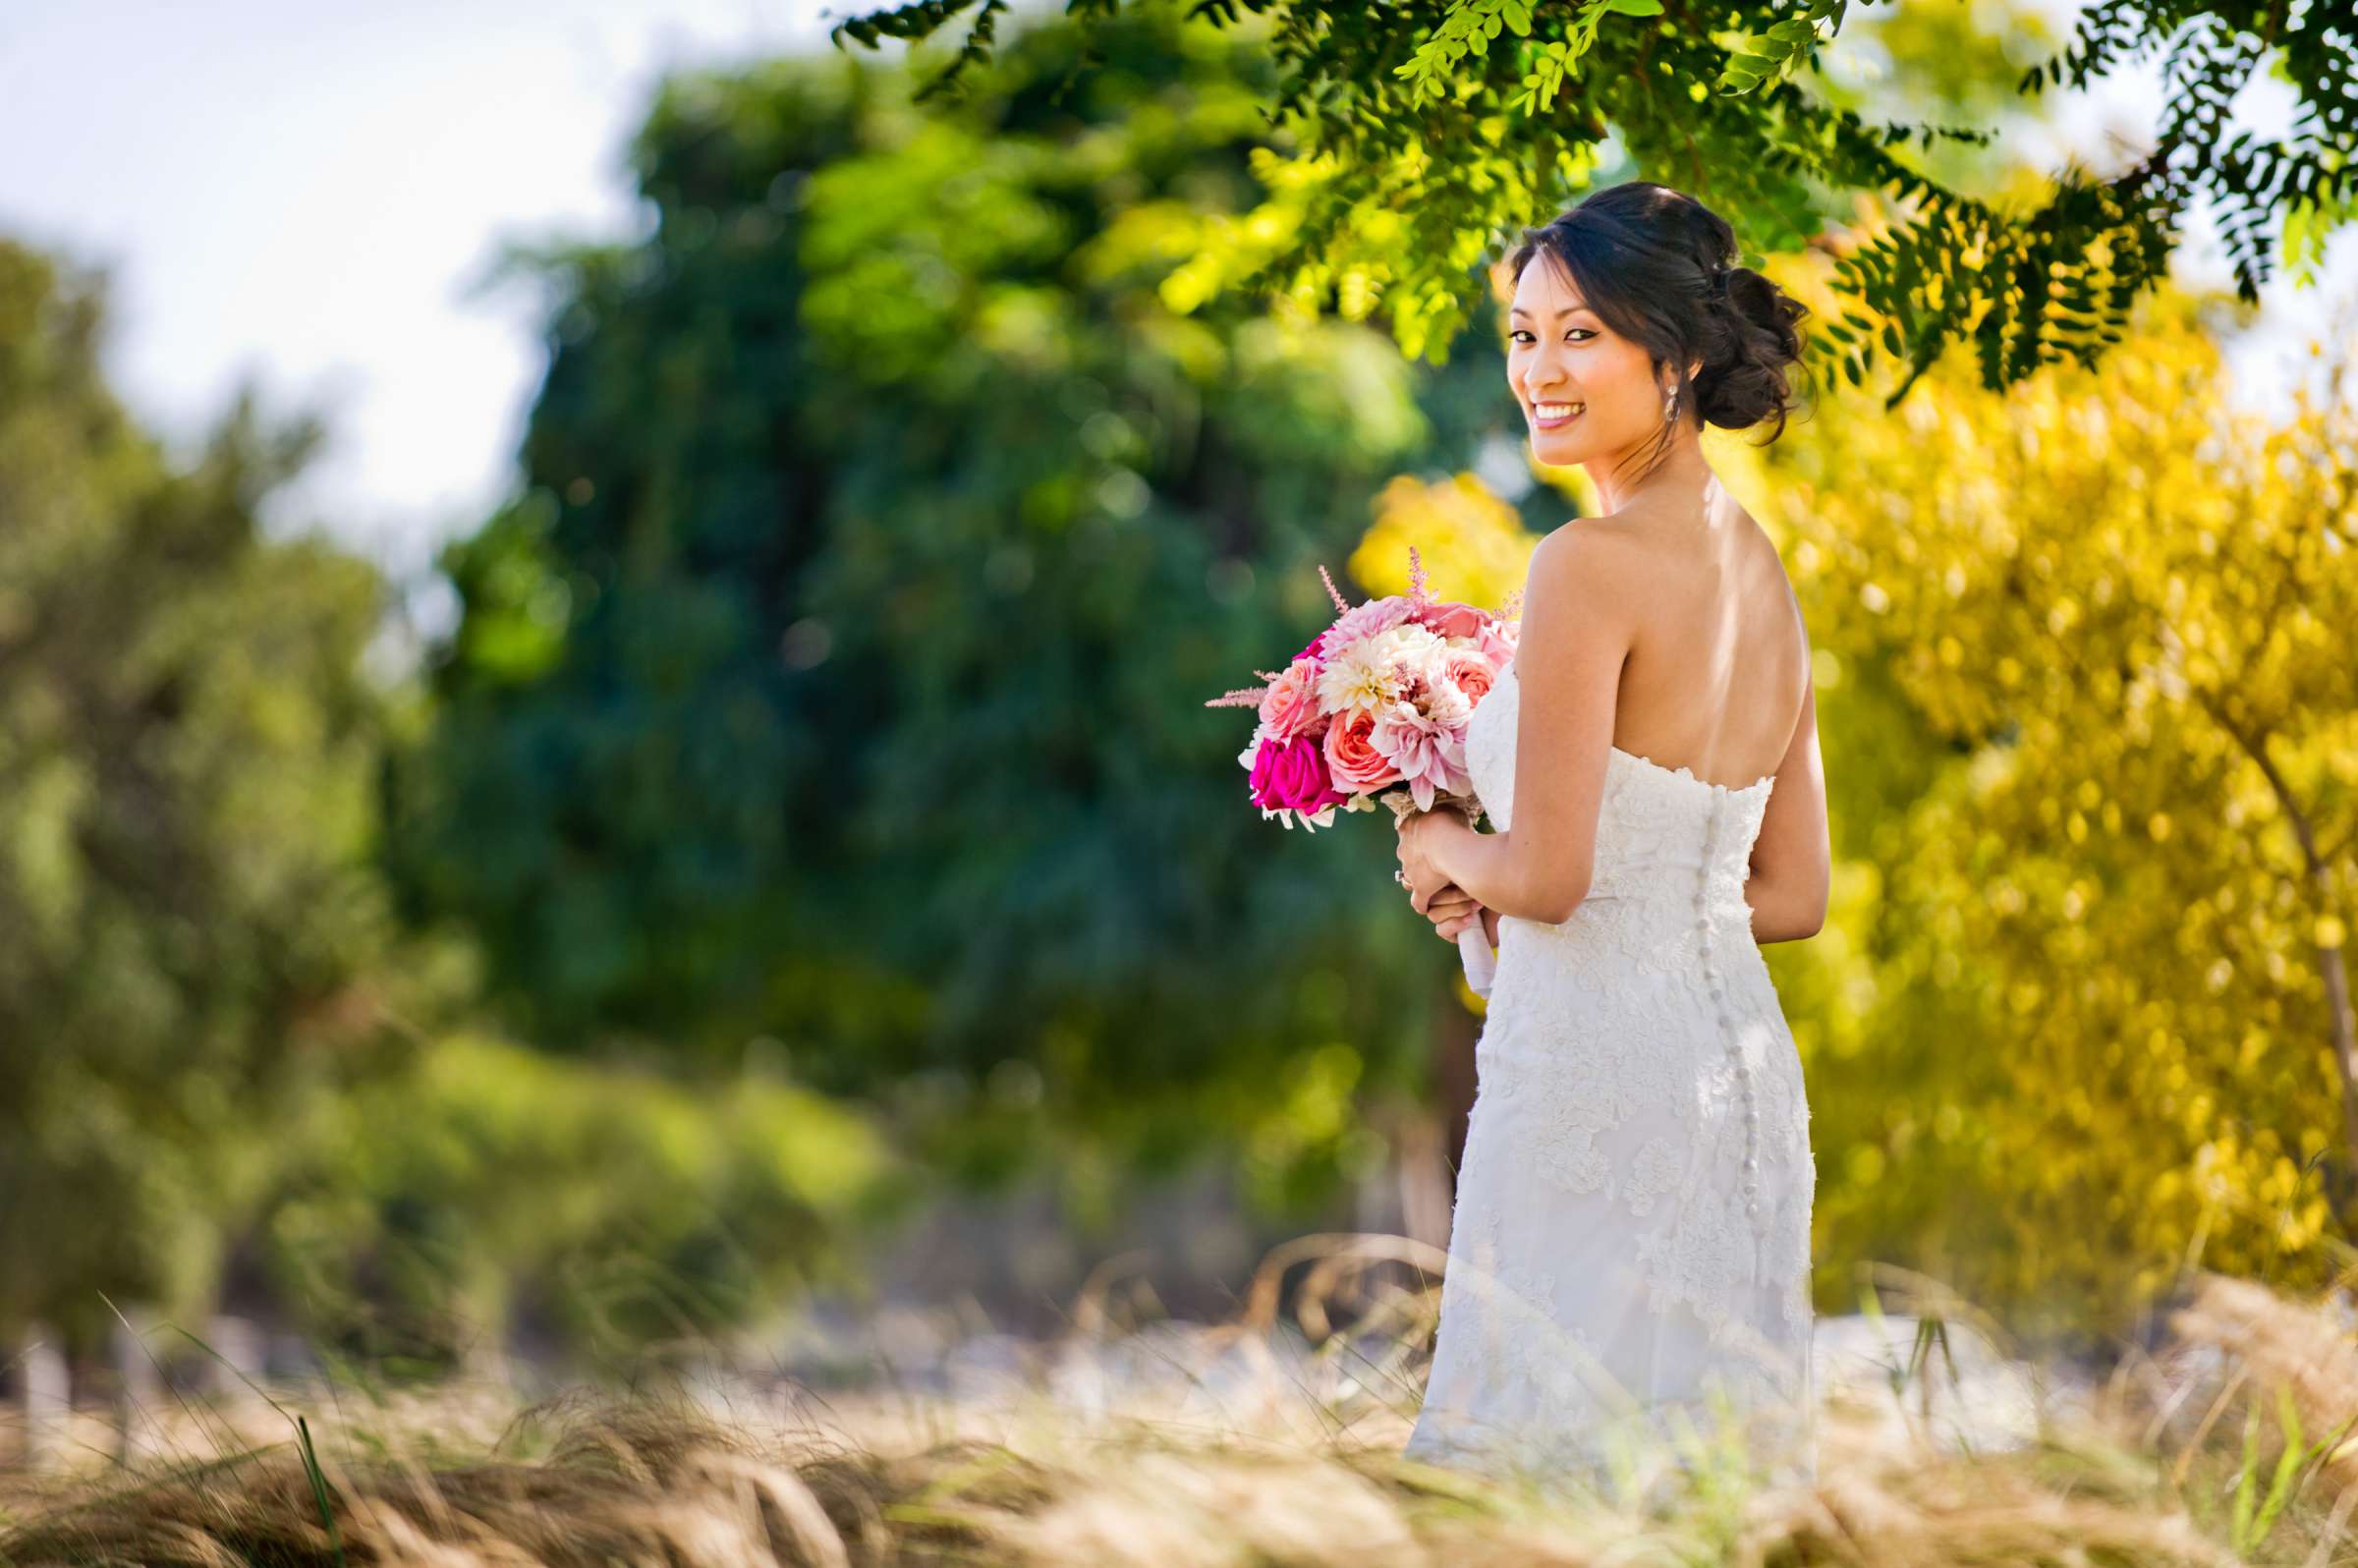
2247 1475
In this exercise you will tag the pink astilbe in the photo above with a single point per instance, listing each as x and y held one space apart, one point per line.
1246 696
1342 605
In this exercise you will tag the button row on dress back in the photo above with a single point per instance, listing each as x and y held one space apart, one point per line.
1719 994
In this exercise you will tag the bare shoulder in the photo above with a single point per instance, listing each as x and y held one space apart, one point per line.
1593 559
1613 531
1769 551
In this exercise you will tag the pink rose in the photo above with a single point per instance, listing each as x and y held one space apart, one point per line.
1498 641
1291 706
1291 776
1454 619
1472 671
1351 752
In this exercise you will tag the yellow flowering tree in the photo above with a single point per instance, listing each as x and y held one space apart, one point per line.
2106 1023
1475 547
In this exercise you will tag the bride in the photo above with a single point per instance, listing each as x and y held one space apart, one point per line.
1629 1259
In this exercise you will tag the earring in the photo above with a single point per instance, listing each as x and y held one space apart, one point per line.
1670 407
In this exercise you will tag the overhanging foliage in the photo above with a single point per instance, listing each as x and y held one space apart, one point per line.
1417 134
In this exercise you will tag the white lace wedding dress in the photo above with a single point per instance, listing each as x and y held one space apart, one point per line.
1632 1227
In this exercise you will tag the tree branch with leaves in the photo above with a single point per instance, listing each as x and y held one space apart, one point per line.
1418 136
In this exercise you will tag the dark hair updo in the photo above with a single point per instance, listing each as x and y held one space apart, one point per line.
1663 270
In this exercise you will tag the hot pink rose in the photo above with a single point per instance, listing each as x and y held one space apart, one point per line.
1292 703
1291 776
1351 752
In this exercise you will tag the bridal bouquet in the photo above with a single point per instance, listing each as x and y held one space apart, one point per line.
1375 710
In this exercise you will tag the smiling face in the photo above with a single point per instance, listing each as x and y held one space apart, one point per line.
1587 392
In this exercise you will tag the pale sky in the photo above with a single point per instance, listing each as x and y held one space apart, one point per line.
303 192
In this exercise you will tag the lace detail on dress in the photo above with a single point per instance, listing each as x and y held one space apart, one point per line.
1633 1060
1655 1172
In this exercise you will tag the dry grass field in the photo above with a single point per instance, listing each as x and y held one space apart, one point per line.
2223 1446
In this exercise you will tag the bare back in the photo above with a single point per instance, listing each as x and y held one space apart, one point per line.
1716 675
1671 634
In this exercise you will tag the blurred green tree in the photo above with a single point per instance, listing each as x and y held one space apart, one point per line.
215 1071
837 677
188 756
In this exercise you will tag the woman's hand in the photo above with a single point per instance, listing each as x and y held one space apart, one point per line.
1451 911
1425 839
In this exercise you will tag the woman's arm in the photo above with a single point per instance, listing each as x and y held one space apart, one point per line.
1576 631
1792 862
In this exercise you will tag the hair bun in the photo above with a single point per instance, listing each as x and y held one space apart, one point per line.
1744 381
